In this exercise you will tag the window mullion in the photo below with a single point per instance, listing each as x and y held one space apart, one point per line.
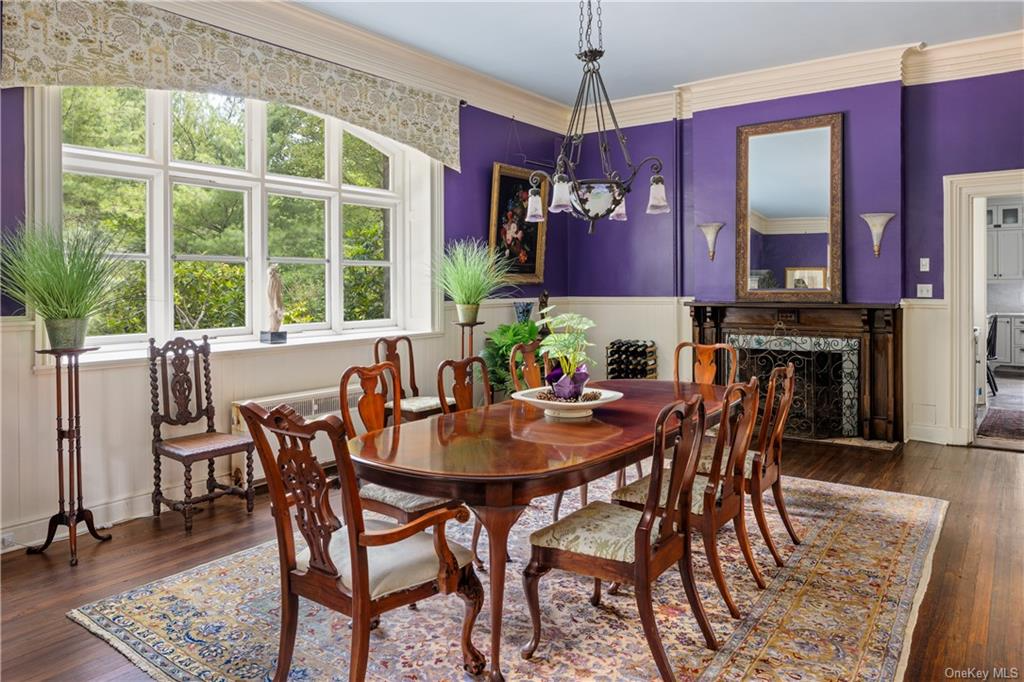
256 226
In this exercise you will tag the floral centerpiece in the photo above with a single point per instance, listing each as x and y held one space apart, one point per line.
566 351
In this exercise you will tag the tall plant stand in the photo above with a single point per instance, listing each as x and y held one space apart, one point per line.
467 334
69 431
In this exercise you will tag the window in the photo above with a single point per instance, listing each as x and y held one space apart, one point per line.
208 195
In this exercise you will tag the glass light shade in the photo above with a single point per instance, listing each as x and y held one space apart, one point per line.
593 199
710 231
658 202
534 208
876 223
560 196
620 211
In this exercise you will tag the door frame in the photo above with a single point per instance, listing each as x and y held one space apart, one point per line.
959 192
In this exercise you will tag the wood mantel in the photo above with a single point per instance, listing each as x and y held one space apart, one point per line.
877 325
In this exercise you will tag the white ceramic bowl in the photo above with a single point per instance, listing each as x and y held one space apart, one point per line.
553 408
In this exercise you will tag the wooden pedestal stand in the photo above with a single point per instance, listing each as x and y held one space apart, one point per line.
72 433
467 330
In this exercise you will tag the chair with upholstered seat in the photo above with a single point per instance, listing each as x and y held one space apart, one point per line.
371 406
633 546
365 567
414 406
705 365
719 494
191 389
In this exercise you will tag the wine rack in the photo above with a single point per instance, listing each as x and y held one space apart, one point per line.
631 359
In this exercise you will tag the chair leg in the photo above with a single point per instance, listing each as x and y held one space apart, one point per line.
646 608
740 524
583 495
595 598
289 624
476 542
187 502
360 647
558 505
250 491
157 494
472 593
211 477
639 471
711 549
531 583
780 504
757 502
693 596
990 376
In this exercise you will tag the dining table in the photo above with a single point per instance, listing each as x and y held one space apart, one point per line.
498 458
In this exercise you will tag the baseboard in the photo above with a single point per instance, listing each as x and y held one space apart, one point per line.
929 434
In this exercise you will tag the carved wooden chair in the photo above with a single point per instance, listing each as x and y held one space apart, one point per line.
414 406
523 360
719 498
191 390
365 567
705 367
372 409
634 546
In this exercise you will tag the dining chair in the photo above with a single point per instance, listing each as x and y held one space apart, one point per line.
720 491
634 546
705 367
371 407
414 406
364 567
462 394
190 388
533 377
762 467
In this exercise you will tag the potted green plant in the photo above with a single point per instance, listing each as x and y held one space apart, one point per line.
498 348
468 273
566 349
64 279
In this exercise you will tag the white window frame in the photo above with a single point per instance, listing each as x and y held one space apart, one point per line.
412 177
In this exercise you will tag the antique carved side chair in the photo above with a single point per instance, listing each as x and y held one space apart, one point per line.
705 366
414 406
633 546
182 393
364 567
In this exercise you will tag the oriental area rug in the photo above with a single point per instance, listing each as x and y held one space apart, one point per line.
843 608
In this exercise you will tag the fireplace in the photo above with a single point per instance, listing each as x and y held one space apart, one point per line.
847 360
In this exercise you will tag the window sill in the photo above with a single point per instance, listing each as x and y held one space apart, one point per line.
136 354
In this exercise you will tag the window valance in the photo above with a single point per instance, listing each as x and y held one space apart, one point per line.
132 44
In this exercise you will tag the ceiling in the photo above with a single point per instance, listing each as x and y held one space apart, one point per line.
652 46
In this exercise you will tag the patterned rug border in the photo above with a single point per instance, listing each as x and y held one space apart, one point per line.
922 572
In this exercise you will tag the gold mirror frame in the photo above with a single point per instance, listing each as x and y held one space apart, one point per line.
834 294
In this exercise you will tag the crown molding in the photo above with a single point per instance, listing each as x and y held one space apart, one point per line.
803 78
969 58
641 110
768 226
303 30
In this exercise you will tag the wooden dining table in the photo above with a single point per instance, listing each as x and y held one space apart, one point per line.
498 458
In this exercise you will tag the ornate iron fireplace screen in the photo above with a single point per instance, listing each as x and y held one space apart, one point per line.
826 404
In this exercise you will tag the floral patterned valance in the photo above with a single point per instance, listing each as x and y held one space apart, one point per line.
132 44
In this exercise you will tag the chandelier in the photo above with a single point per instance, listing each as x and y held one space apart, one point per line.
591 199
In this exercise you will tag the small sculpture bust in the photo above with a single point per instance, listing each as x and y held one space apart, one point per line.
275 306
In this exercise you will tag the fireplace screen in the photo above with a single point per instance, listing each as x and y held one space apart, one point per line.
826 404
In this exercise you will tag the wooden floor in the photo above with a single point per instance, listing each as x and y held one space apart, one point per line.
972 615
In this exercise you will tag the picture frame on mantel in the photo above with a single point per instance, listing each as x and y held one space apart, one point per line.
511 235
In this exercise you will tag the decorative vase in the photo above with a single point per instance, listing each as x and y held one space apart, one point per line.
66 333
568 387
523 310
467 312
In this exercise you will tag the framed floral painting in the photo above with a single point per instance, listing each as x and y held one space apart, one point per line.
510 235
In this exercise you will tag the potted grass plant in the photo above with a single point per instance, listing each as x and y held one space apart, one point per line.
65 280
468 272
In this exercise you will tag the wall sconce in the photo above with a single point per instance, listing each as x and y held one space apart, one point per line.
877 222
710 231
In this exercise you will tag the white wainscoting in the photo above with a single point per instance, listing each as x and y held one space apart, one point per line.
927 358
116 435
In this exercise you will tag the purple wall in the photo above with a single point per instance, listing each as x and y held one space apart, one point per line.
871 183
485 138
776 252
963 126
637 257
12 172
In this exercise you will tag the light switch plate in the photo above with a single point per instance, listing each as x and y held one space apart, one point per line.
926 264
924 290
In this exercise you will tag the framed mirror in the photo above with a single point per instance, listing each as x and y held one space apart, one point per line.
789 210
